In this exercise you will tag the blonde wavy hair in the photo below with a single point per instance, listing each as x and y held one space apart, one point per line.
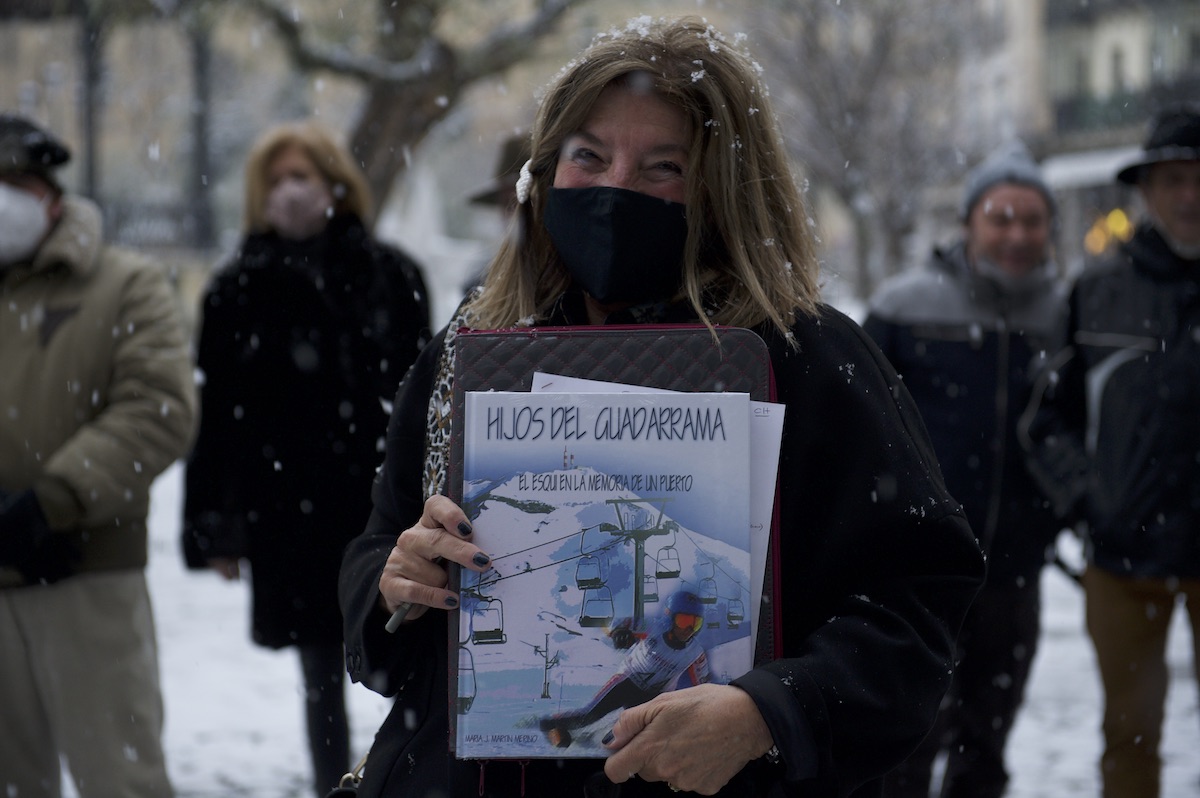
345 179
750 254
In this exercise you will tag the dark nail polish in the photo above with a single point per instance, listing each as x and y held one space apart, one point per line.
481 559
608 738
451 601
464 528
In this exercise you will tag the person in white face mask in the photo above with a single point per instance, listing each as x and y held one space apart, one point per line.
965 333
24 217
98 398
305 335
30 196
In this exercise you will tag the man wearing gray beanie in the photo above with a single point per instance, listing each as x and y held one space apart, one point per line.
1116 441
1011 164
965 332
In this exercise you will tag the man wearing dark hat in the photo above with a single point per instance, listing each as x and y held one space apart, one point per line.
1115 438
96 399
964 333
501 191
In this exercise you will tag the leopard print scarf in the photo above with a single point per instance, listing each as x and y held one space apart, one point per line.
437 416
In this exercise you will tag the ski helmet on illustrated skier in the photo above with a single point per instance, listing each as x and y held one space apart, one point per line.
685 604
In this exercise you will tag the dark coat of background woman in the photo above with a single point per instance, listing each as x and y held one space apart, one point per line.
305 334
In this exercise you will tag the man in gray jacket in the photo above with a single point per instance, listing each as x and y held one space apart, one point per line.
966 334
96 399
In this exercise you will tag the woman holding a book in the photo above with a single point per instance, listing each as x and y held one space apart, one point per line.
659 193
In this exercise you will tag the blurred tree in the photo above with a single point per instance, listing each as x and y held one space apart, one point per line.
864 98
413 58
94 18
40 9
422 55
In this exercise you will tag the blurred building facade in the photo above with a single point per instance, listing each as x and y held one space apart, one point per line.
1079 81
1076 79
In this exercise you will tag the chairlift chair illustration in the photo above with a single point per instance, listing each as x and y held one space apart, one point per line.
466 680
587 573
735 613
666 562
587 570
712 618
597 609
708 587
487 622
649 588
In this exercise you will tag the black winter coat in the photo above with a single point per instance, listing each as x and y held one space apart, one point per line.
301 346
968 350
1116 434
879 567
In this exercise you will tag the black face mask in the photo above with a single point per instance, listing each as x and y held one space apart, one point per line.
618 245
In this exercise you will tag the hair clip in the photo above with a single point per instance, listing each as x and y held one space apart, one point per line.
524 182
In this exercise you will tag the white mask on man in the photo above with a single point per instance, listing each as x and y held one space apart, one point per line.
23 224
299 209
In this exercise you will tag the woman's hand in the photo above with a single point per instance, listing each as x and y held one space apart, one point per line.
415 572
676 736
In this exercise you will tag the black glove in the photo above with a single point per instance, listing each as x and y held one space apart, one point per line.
1061 472
28 544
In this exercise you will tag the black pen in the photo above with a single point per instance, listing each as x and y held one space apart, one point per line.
480 559
398 616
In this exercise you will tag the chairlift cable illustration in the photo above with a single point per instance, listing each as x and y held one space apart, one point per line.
550 564
713 561
637 524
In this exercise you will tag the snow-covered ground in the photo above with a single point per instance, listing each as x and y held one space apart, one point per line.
234 724
234 713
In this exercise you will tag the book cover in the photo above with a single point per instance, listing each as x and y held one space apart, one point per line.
619 535
766 436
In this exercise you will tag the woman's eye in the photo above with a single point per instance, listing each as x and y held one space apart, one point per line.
585 155
669 166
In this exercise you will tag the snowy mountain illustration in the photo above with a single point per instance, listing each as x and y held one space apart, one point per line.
583 566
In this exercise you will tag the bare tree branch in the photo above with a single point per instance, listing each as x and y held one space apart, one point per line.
509 44
313 56
864 82
413 78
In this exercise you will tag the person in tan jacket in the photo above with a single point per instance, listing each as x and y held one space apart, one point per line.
97 398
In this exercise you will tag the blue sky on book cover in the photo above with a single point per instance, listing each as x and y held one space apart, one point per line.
596 510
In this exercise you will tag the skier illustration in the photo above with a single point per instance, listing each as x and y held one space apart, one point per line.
667 660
